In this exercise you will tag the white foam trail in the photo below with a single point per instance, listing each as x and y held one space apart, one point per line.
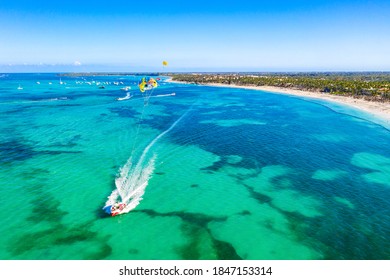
133 180
163 95
128 96
41 100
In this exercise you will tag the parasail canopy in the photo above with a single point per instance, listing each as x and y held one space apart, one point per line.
147 87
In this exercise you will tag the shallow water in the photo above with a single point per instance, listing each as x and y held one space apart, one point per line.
243 174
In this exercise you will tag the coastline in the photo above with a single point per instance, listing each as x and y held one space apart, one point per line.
377 109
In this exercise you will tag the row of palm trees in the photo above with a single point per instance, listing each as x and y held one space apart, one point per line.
368 86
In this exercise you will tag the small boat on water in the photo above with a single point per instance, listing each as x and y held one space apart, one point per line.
114 209
125 88
19 87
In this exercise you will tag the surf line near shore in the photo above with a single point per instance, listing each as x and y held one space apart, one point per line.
378 110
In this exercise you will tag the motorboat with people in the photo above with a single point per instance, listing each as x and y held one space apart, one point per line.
125 88
114 209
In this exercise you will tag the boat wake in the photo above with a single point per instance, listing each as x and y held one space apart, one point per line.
134 176
164 95
128 96
132 182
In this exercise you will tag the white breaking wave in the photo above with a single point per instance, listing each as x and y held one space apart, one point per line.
132 180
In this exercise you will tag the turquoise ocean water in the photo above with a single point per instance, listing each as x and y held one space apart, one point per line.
213 173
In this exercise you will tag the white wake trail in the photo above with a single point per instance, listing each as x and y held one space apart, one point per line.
133 179
128 96
164 95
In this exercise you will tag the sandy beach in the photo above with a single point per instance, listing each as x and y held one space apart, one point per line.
377 109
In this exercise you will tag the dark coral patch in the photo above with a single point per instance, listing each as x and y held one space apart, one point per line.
225 250
125 112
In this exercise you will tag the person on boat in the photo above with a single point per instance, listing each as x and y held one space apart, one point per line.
115 207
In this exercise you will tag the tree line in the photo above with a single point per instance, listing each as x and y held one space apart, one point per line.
369 86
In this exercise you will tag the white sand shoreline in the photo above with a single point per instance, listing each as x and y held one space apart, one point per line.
377 109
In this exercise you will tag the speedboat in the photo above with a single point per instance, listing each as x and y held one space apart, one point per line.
125 88
114 209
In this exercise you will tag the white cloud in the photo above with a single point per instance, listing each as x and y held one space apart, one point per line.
77 63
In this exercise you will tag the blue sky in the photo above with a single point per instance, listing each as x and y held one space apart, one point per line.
118 35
